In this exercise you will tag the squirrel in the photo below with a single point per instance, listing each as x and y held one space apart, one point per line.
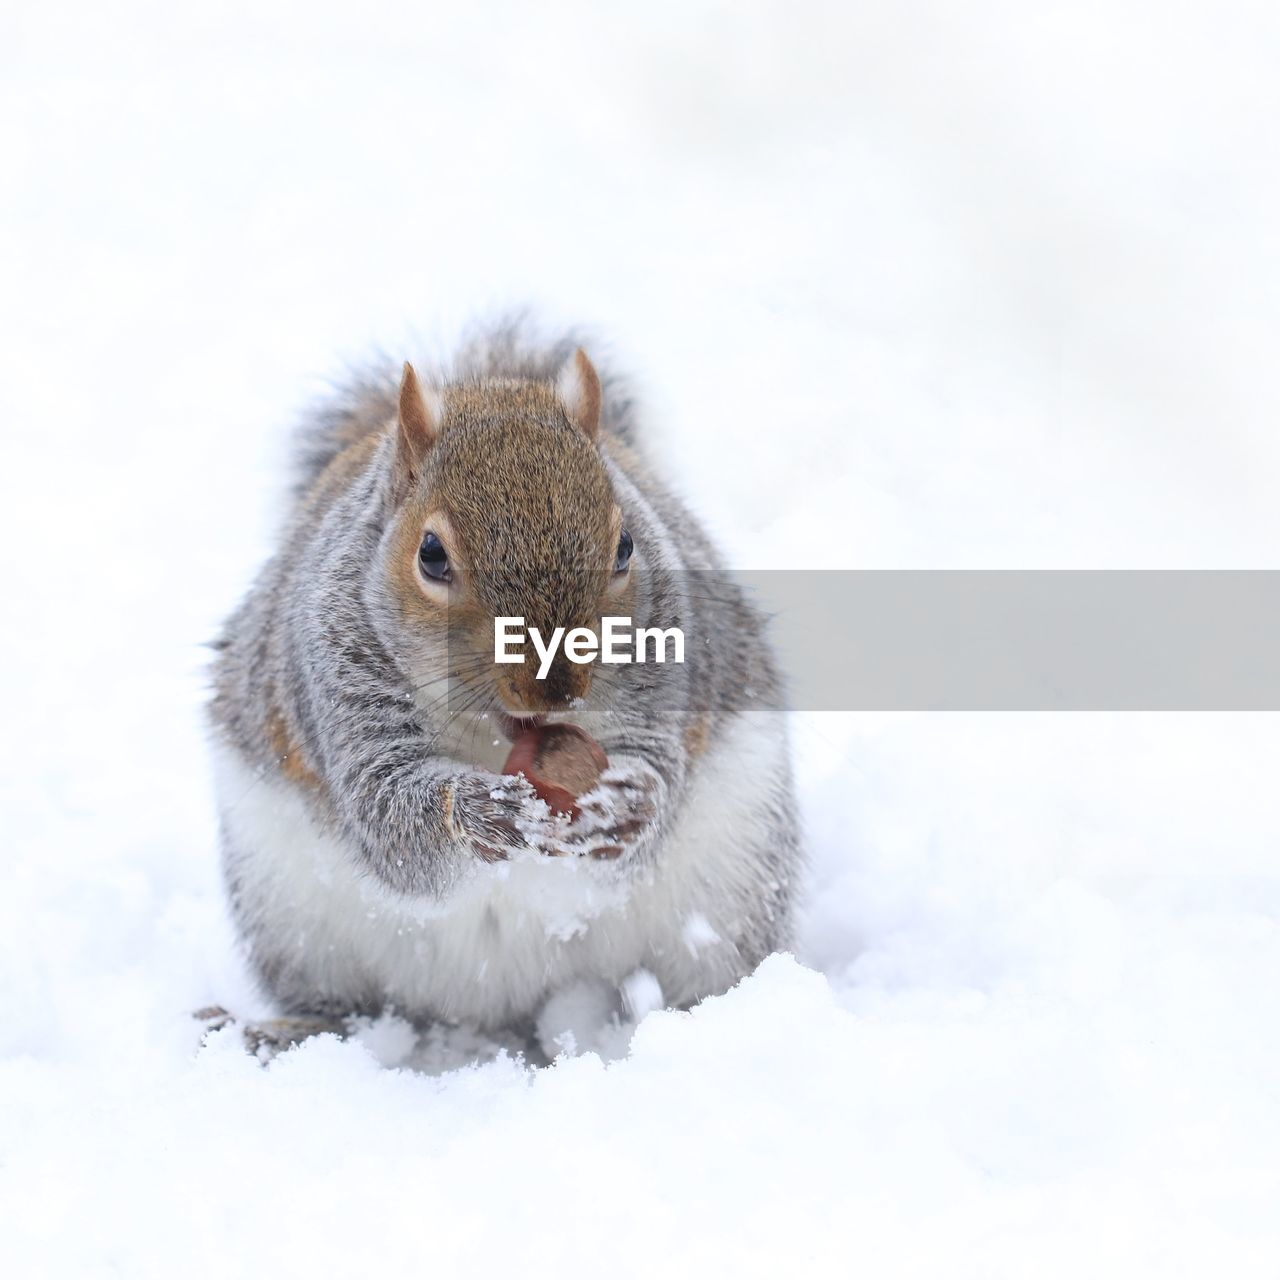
376 858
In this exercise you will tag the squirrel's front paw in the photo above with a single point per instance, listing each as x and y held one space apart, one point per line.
499 815
617 814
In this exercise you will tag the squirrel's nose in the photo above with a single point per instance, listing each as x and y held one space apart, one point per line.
565 684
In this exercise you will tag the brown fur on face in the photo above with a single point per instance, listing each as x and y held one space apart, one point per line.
530 526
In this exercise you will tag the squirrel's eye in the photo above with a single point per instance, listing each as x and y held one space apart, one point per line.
432 559
625 548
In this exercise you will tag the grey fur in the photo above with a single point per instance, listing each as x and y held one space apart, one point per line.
318 657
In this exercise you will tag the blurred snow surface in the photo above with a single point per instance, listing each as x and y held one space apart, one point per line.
906 285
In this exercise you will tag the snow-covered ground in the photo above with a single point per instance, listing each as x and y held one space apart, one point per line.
908 285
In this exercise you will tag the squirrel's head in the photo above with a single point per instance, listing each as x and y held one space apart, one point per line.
503 508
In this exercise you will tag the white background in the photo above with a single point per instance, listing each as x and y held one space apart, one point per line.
905 285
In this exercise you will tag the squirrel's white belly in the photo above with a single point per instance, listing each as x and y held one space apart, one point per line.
515 932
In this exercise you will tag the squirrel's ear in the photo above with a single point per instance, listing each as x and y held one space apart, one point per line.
419 421
578 387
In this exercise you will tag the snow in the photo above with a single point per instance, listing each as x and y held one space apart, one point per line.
906 285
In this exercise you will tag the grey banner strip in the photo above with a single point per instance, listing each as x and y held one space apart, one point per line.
1126 640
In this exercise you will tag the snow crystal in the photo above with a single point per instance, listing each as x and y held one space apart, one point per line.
698 932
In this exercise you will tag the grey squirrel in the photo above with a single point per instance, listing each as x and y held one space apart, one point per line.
375 855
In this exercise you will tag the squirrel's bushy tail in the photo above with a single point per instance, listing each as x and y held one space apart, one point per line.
363 405
510 347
